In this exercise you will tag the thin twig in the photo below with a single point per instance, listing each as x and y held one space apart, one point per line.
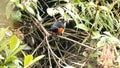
53 52
76 42
38 46
42 27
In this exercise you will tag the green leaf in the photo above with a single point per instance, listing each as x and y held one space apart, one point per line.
33 61
28 60
20 6
83 27
17 2
107 33
37 58
14 42
17 50
10 59
16 16
30 10
104 8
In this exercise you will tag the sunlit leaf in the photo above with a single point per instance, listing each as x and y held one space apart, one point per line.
17 2
107 33
92 4
39 17
28 59
35 1
33 60
30 10
20 6
1 57
37 58
14 42
83 27
27 48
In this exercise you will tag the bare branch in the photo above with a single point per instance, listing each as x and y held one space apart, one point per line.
76 42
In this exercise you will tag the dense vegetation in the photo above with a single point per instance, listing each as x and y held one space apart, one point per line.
91 38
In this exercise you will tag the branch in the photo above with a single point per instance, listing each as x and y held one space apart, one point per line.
76 42
38 46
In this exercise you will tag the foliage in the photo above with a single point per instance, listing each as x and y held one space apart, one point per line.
28 61
9 48
91 18
21 6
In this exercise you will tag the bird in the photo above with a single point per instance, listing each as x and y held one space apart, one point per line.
59 26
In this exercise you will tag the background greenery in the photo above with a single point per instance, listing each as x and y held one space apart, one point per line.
25 35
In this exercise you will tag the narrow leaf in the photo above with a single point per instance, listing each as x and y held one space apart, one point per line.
35 60
83 27
30 10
